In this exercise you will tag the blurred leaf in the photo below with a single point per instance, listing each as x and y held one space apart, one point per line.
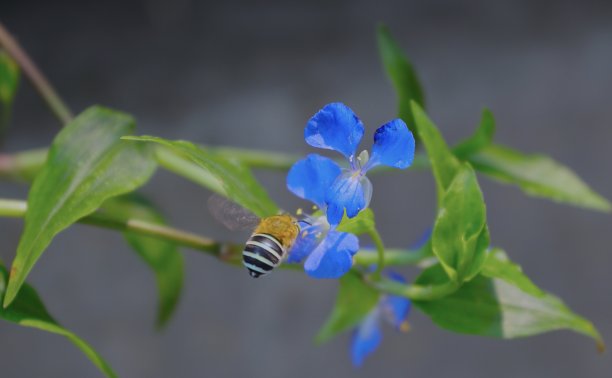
537 175
460 236
444 164
9 80
355 300
162 256
363 223
482 137
225 177
505 305
87 164
28 310
402 75
9 77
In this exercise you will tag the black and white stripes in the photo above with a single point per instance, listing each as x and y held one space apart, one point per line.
261 254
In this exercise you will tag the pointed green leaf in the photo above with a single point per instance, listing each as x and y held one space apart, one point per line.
482 137
402 75
162 256
538 176
225 177
363 223
355 300
87 164
505 305
460 236
444 164
28 310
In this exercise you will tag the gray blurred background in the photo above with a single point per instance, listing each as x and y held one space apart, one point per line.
250 75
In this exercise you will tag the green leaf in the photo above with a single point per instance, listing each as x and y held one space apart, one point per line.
87 164
9 81
498 265
538 176
355 300
444 164
162 256
482 137
402 75
225 177
363 223
9 78
505 305
460 236
28 310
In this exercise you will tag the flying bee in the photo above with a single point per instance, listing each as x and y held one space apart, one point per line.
270 241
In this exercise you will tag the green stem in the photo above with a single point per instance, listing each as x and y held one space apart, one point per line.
380 251
415 292
12 208
22 166
393 257
18 208
38 80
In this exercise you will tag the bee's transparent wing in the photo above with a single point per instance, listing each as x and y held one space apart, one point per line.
230 214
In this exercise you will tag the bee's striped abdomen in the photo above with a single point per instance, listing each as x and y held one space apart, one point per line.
261 254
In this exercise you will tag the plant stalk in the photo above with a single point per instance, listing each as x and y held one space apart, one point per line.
38 80
18 208
380 252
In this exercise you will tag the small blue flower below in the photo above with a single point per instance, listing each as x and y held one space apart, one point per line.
367 336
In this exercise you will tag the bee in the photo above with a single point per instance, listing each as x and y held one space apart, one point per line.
270 241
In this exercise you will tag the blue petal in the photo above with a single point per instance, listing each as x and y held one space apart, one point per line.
333 257
306 242
395 308
335 127
351 192
311 177
393 146
366 338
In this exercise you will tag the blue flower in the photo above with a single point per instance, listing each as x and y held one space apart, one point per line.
336 127
367 336
326 253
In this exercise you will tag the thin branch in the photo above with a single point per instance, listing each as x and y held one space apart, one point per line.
38 80
18 208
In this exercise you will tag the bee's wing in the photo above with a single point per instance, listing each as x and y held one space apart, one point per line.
230 214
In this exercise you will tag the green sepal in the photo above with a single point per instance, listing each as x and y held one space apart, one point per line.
362 223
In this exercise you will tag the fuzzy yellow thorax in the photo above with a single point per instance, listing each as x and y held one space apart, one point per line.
283 227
